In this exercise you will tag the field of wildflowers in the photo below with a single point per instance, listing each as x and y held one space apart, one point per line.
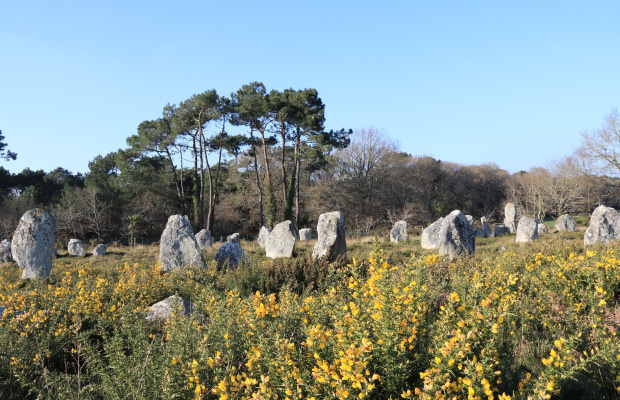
535 321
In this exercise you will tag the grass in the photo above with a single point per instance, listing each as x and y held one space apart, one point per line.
390 320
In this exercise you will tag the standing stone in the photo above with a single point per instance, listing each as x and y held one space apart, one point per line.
479 232
399 232
565 223
500 230
471 220
203 238
604 226
76 248
33 243
263 235
230 254
456 236
332 241
5 252
510 217
430 235
165 308
305 234
542 228
527 230
178 247
234 238
100 250
486 227
281 240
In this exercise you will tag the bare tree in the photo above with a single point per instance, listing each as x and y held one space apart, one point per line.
602 146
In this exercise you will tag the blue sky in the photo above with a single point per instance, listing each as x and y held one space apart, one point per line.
514 83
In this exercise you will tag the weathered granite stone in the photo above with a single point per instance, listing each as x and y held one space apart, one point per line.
33 243
173 304
486 227
305 234
456 236
510 218
5 252
331 232
479 232
430 235
527 230
500 230
230 254
178 247
542 228
100 250
76 248
399 232
203 238
565 223
471 220
281 240
604 226
263 235
234 238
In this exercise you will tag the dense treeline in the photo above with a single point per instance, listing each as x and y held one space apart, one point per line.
233 164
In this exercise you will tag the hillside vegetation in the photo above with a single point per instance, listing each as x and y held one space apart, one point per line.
390 321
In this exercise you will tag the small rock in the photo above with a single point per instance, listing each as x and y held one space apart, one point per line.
100 250
234 238
5 252
542 228
305 234
399 232
230 254
486 227
263 235
203 238
281 240
430 235
456 236
565 223
165 308
480 233
331 232
500 229
178 247
33 243
527 230
76 248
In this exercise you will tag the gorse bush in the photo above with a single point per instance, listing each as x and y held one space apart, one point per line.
535 322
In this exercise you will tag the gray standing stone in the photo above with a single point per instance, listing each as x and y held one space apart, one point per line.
5 252
486 227
332 240
604 226
527 230
542 228
456 236
203 238
178 247
33 243
565 223
281 240
165 308
230 254
76 248
430 235
263 235
480 233
471 220
510 218
500 230
234 238
399 232
100 250
305 234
